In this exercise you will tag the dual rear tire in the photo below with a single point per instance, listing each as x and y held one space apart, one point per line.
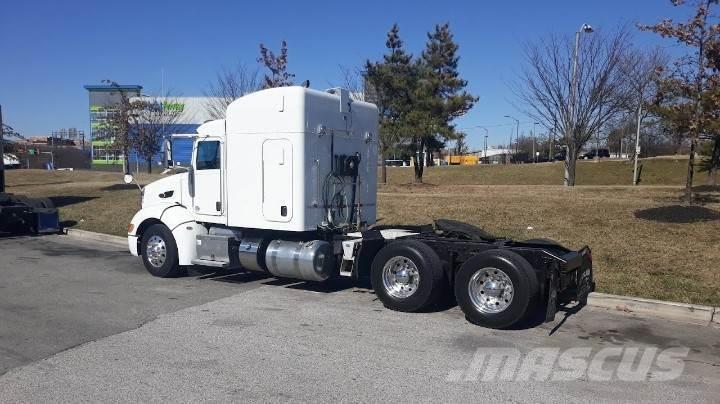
495 288
407 276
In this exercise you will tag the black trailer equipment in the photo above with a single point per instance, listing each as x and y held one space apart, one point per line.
20 214
497 282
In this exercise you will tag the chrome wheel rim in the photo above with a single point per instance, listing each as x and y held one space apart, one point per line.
401 277
491 290
156 251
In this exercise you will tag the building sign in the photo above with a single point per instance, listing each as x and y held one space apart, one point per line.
173 106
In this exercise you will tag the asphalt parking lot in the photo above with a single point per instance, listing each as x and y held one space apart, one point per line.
82 321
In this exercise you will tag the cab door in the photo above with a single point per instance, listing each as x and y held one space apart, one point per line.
207 198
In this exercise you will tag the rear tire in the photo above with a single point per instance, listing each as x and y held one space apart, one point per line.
496 288
159 252
407 276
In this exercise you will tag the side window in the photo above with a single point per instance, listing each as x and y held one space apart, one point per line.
208 155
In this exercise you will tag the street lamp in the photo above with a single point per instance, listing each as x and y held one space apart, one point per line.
585 28
517 132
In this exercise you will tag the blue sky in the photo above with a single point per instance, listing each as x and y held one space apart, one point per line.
50 49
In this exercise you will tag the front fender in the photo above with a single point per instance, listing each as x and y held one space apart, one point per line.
178 219
171 216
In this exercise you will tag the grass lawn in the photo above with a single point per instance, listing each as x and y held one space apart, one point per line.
666 171
644 242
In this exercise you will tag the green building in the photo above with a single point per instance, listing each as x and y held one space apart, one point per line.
103 102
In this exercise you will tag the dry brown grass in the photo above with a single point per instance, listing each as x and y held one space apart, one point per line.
605 172
644 243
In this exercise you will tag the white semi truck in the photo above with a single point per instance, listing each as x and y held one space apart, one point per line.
286 185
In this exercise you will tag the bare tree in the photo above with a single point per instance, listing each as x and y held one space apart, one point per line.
354 81
277 65
116 131
641 70
229 85
151 120
545 86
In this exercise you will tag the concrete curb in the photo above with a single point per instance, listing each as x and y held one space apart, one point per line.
93 236
686 313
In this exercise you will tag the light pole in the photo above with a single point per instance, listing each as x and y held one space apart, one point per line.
551 151
509 148
585 28
534 136
517 132
637 144
2 153
485 144
485 152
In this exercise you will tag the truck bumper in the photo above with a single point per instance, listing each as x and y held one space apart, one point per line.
133 245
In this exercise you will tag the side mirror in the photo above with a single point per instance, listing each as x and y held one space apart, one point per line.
128 178
191 181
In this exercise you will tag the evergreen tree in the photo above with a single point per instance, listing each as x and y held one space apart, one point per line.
388 85
440 95
418 99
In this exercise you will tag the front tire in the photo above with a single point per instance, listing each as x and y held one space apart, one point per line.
407 275
159 252
496 288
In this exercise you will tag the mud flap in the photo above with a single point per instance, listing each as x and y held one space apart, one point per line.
372 242
585 286
552 296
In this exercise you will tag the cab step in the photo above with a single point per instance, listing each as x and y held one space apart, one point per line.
210 263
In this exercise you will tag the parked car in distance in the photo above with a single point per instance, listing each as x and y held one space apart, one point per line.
396 163
600 153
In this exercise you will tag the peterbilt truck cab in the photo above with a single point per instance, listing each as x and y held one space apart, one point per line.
286 185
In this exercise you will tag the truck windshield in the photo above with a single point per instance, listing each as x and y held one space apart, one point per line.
208 155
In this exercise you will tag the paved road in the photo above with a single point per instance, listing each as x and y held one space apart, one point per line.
57 293
261 340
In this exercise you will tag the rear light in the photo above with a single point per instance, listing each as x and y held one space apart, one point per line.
131 227
589 254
